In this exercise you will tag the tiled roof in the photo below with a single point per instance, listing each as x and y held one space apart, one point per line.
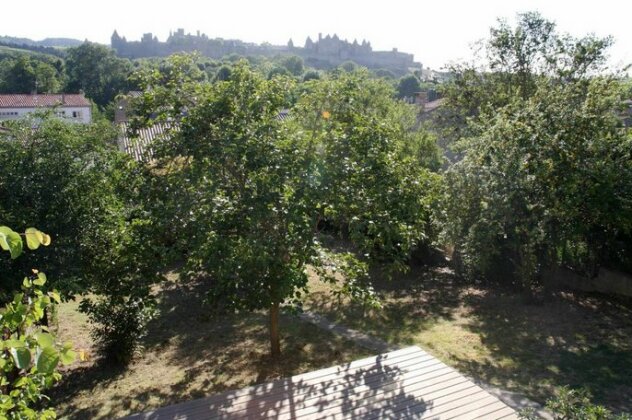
139 146
43 100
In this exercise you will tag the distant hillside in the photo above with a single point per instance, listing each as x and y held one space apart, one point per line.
27 48
48 42
13 51
60 42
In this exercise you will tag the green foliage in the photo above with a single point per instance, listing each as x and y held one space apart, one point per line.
384 74
278 72
247 210
26 75
71 179
95 70
408 86
546 176
575 404
371 185
348 66
515 60
29 354
120 323
223 73
248 191
311 75
64 177
293 64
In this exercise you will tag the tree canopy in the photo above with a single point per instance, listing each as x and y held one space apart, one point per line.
253 190
545 175
97 71
408 86
27 75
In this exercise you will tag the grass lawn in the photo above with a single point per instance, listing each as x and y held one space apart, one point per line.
500 337
189 355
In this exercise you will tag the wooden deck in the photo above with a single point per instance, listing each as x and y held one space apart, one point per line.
403 384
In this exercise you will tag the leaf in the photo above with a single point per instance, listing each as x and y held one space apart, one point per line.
21 382
10 241
46 240
40 280
21 357
67 356
17 344
4 231
47 360
34 238
45 340
55 296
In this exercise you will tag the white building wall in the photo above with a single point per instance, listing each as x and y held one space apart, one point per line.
75 114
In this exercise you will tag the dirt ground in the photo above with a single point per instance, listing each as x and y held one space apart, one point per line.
188 355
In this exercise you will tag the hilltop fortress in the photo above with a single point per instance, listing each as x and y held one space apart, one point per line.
325 52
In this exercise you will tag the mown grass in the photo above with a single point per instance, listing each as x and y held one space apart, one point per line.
501 337
189 355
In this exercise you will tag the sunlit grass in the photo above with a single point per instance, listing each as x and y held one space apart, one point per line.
497 336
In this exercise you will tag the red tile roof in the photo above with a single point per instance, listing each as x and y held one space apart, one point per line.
43 100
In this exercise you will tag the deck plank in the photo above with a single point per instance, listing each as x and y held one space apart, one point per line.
407 383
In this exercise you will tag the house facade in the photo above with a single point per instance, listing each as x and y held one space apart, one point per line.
72 107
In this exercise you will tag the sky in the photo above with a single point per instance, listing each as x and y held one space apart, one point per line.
437 32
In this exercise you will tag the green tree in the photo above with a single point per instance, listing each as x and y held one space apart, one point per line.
26 75
408 87
293 64
311 75
95 70
348 66
515 60
375 182
546 173
251 217
223 73
72 180
248 189
278 71
385 74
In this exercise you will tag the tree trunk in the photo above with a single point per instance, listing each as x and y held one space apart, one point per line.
275 341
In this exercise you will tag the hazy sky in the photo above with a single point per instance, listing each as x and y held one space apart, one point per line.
437 31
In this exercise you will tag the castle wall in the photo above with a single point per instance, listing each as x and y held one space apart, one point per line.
324 53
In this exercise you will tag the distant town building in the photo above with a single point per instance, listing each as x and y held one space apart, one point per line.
72 107
326 52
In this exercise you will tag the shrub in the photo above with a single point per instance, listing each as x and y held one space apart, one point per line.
120 323
575 404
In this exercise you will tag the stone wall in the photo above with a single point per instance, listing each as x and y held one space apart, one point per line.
326 52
